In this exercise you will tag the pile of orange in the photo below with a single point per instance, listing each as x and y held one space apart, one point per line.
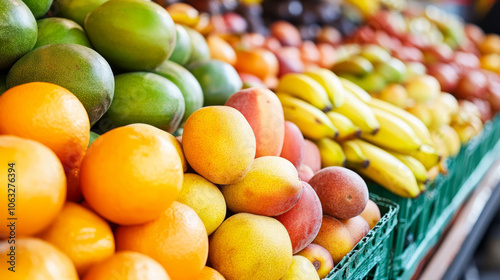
130 176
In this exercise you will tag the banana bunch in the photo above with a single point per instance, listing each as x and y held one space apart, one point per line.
313 123
381 141
389 171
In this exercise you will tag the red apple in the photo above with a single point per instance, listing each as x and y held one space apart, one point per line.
363 35
474 33
235 23
484 108
414 40
437 53
249 78
286 33
272 44
472 84
303 221
289 61
446 75
329 35
466 60
408 54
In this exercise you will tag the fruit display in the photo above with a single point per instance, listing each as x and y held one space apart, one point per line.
223 140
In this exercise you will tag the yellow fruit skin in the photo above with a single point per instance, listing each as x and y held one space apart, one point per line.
70 233
127 265
331 153
39 180
415 123
205 199
312 122
249 247
356 90
394 133
359 113
270 188
388 171
300 269
36 259
219 144
307 89
345 126
331 83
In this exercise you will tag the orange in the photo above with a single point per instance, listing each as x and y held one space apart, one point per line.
50 115
127 265
177 239
259 62
131 174
208 273
178 147
82 235
35 259
221 50
37 184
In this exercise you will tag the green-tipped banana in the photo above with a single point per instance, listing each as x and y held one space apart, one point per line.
359 113
357 65
427 155
305 88
354 155
394 134
388 171
415 123
346 128
416 167
313 123
331 83
331 153
356 90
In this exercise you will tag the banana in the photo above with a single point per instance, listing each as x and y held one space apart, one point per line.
388 171
416 167
346 128
359 113
356 90
305 88
433 173
330 83
422 186
427 155
415 123
394 133
313 123
450 138
354 155
466 132
331 153
440 145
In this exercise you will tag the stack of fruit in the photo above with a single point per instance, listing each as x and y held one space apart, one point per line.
138 203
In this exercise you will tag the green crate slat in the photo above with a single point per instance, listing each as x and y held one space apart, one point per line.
411 261
422 220
416 236
370 259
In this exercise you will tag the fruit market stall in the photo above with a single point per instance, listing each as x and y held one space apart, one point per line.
246 139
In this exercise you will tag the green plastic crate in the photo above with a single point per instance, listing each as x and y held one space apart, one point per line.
416 236
422 220
370 259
